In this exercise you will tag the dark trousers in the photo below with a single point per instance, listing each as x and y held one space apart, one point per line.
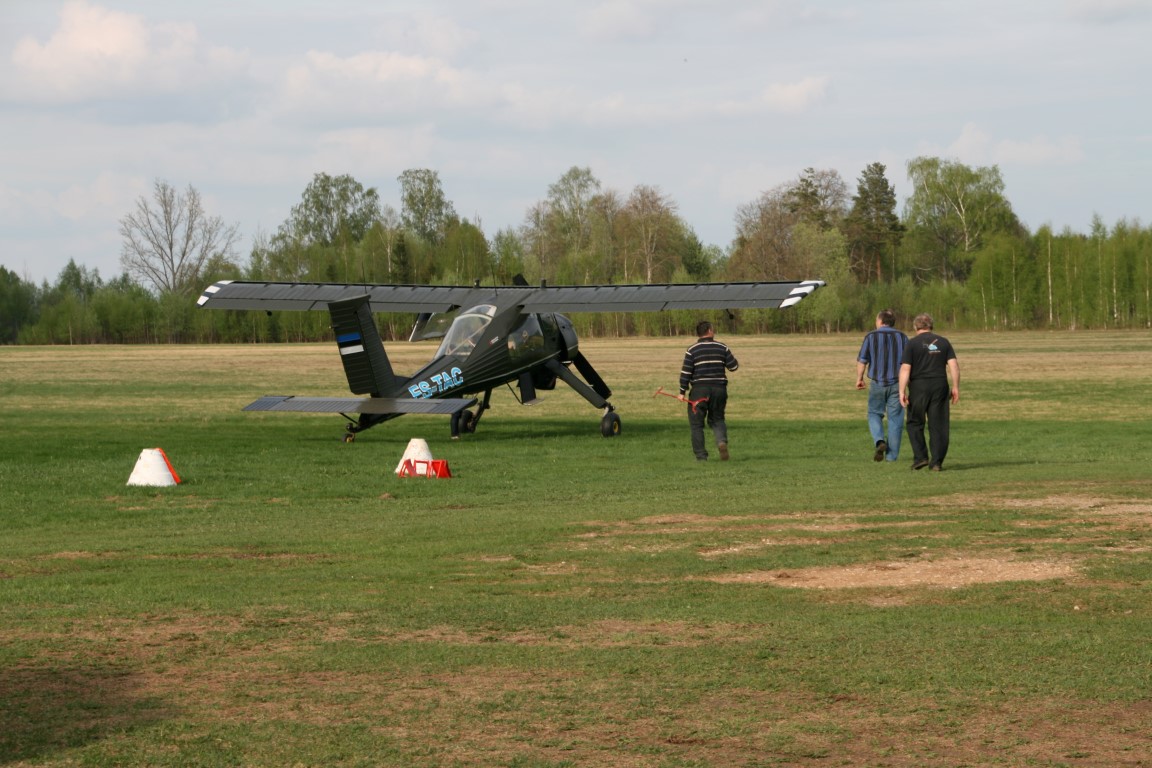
712 412
928 400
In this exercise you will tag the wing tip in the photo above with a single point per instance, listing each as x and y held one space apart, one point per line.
211 291
803 289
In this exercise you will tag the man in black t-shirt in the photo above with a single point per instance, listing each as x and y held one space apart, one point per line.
927 363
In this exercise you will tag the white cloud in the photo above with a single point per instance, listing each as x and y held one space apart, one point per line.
21 205
1039 150
98 52
622 108
977 147
621 21
437 34
972 146
797 97
380 83
108 195
91 44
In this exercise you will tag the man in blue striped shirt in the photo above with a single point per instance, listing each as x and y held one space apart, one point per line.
704 368
880 356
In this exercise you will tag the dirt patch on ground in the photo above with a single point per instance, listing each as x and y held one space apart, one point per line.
949 572
607 633
667 525
793 541
1095 504
1082 516
485 716
557 714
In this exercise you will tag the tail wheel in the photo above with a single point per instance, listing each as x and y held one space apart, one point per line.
610 425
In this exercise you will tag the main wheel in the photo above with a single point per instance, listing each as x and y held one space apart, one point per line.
467 422
610 425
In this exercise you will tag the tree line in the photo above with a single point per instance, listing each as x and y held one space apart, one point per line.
956 250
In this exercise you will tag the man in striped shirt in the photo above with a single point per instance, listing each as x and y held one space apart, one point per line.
704 368
880 356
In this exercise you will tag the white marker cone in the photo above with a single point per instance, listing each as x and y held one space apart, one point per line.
417 450
153 468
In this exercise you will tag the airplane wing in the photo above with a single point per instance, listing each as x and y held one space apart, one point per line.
655 298
229 294
377 405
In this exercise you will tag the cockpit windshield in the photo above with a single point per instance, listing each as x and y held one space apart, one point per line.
466 330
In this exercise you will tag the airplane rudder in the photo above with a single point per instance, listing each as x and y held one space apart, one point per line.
366 364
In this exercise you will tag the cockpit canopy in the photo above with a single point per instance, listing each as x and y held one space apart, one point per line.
466 330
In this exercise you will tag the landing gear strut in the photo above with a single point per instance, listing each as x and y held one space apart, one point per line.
594 390
465 421
365 421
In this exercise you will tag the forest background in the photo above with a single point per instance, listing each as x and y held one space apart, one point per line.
956 250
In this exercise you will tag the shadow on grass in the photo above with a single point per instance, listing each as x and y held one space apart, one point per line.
969 466
494 430
45 710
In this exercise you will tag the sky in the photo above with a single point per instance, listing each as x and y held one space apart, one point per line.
712 102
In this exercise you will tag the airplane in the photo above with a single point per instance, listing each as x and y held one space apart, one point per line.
490 335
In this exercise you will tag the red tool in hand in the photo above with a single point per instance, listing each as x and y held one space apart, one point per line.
681 398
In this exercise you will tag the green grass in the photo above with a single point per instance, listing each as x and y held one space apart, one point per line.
566 599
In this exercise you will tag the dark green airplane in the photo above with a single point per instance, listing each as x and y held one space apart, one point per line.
490 336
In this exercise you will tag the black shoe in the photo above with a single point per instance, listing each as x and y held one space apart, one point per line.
881 449
920 463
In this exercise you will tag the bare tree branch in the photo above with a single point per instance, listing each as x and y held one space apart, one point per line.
169 239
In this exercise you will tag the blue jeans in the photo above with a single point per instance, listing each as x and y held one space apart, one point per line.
886 400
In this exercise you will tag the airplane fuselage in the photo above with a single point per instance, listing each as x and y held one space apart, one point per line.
511 344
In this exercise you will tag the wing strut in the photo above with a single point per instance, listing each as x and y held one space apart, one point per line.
572 380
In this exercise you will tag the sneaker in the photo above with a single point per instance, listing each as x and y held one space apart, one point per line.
881 449
936 468
723 448
920 463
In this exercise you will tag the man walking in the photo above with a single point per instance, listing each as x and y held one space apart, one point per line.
880 356
924 370
704 368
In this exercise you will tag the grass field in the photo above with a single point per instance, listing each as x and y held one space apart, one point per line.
570 600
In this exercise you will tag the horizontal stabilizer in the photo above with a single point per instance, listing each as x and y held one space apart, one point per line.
376 405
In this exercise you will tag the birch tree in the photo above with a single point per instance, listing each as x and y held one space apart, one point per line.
956 207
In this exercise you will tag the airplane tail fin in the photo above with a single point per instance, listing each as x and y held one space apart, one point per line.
365 362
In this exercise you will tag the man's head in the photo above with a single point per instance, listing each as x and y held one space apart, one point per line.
885 317
922 322
703 328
